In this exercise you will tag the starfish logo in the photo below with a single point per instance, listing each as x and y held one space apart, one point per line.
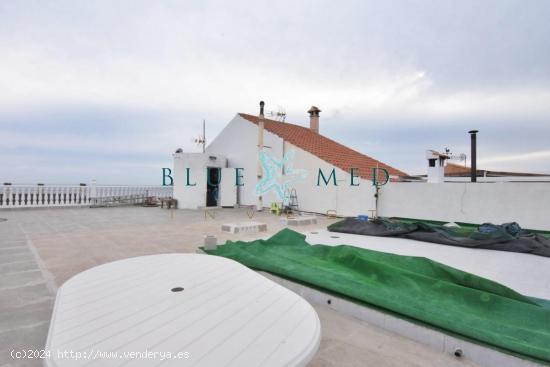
274 179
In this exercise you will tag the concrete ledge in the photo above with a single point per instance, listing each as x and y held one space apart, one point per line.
478 353
245 227
299 221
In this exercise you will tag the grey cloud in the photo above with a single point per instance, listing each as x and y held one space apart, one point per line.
393 78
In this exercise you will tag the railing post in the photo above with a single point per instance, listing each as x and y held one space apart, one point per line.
41 199
93 192
64 198
53 191
16 194
6 195
26 196
34 196
81 194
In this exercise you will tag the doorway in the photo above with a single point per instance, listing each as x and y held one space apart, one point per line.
213 176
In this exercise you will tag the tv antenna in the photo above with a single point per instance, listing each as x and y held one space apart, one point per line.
280 115
201 140
460 157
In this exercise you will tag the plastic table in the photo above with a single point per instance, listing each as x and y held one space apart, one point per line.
179 310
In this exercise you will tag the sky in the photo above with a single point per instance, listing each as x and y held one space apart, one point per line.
108 90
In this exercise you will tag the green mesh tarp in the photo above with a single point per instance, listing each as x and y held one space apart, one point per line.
415 287
504 237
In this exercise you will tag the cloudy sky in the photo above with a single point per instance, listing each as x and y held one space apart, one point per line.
109 89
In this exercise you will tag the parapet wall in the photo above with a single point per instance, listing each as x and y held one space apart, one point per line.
527 203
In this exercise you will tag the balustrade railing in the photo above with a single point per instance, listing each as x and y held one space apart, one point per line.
20 196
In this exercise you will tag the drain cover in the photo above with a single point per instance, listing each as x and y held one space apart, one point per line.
177 289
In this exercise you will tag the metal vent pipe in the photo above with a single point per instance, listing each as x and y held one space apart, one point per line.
473 155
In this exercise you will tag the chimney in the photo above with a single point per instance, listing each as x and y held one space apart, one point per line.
436 166
260 135
473 157
314 118
260 203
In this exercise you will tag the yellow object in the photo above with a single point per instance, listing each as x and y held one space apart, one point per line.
276 208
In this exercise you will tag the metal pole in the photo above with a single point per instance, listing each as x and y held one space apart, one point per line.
203 135
260 204
473 155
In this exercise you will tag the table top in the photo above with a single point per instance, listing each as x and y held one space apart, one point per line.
179 310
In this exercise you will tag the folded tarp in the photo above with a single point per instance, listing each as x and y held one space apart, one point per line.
505 237
415 287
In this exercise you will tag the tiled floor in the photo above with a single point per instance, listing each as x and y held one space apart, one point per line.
40 249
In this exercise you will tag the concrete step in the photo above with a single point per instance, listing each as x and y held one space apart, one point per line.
244 227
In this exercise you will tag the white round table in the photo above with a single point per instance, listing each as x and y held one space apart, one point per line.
179 310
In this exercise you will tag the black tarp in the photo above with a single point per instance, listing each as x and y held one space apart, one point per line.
505 237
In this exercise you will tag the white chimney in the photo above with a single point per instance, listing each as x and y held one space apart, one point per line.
436 166
314 118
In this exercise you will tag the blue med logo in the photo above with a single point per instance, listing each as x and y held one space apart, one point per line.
377 180
167 177
273 178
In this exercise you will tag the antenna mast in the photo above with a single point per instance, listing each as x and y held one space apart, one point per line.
201 140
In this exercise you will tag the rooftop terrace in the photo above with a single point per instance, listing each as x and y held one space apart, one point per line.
42 248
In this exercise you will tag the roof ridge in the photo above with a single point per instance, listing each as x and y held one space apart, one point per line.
245 115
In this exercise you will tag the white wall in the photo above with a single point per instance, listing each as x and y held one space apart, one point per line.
347 200
522 202
238 141
192 197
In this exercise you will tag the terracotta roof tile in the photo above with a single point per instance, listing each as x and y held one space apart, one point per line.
455 169
326 149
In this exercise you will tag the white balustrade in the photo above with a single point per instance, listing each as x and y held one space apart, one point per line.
34 196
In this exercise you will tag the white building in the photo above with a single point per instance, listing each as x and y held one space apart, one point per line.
306 151
236 146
